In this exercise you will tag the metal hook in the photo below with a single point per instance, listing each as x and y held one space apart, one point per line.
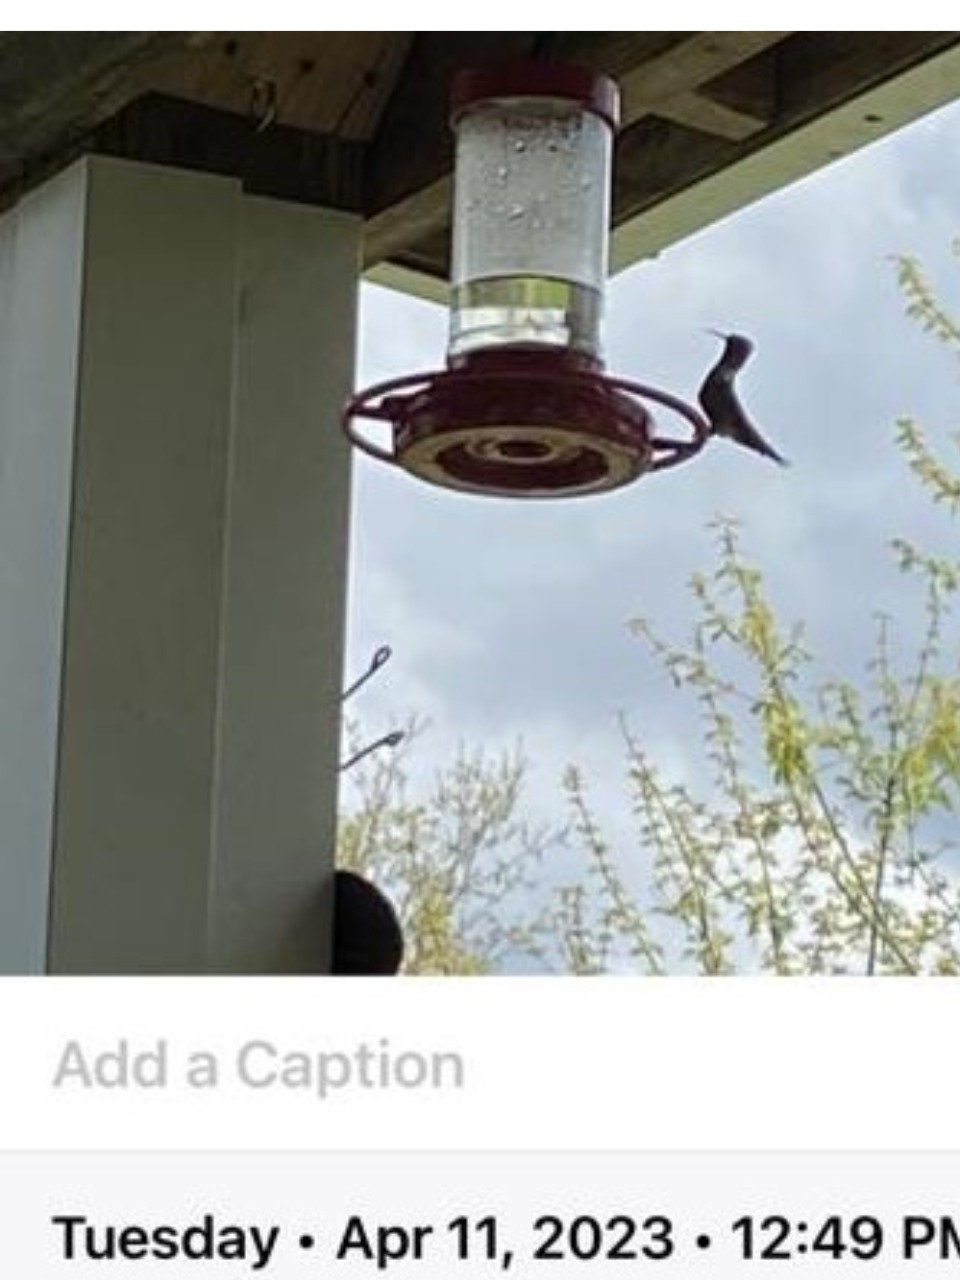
392 739
380 658
263 103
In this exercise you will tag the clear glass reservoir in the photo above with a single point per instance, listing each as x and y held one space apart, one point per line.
531 208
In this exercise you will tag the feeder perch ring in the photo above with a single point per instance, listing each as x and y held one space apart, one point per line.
523 428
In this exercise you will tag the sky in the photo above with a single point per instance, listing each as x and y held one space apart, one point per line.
509 620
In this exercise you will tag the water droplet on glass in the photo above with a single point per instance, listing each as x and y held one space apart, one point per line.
519 145
516 211
503 173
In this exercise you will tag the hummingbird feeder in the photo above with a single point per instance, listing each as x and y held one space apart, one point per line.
524 407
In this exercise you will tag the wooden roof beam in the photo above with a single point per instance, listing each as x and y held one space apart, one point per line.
673 206
737 105
651 87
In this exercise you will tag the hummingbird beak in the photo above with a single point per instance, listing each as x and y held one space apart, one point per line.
717 334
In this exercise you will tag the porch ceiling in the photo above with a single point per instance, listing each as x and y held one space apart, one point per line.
358 120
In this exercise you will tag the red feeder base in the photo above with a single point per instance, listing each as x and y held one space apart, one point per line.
523 422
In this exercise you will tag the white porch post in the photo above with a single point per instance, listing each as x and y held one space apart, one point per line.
173 511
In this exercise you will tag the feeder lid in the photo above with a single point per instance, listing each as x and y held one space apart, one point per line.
527 79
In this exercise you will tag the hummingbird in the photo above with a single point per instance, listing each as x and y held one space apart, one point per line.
718 398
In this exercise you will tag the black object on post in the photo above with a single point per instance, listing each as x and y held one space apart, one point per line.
367 938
